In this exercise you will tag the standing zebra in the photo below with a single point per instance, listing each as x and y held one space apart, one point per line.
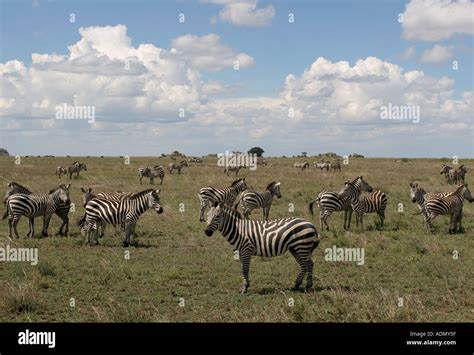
336 166
62 210
235 169
445 170
250 200
127 211
456 176
76 167
322 165
174 166
61 170
33 206
304 165
152 173
374 201
209 195
331 201
451 204
262 238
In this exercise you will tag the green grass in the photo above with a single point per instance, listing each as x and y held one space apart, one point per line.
173 260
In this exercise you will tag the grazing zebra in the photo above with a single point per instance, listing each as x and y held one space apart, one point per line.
195 160
127 211
374 201
418 195
331 201
209 195
152 173
250 200
451 204
445 170
62 210
322 166
33 206
61 170
304 165
336 166
174 166
76 167
456 176
266 238
235 169
262 162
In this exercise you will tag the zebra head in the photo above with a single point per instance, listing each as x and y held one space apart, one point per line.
83 167
87 195
416 192
154 201
466 193
214 217
444 169
61 194
274 189
362 185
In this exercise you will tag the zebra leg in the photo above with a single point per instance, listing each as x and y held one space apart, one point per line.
152 180
300 277
453 223
309 272
140 178
245 260
46 220
349 217
201 211
102 229
14 222
31 227
382 217
161 180
266 212
128 231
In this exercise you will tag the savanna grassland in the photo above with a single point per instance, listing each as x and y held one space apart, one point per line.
176 273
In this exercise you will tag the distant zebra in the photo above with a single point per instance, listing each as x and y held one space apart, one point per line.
418 195
304 165
152 173
451 204
374 201
336 166
250 200
445 170
62 210
61 170
127 211
76 168
269 238
331 201
33 206
195 160
322 165
174 166
235 169
456 176
209 195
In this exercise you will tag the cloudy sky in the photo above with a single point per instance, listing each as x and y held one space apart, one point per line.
214 75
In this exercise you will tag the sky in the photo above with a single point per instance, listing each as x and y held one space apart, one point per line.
212 76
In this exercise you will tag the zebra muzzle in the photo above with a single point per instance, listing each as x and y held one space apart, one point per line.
209 232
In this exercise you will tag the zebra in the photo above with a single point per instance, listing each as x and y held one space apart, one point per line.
266 238
335 166
456 176
195 160
76 167
445 170
331 201
61 170
374 201
250 200
33 206
451 204
174 166
304 165
209 195
235 169
62 210
152 173
127 211
322 165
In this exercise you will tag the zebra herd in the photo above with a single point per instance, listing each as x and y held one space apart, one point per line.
74 168
322 165
454 176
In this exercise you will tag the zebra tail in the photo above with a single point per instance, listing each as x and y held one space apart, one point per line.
311 207
80 222
5 215
237 204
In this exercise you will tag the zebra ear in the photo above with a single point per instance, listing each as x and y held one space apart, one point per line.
215 204
83 190
68 186
90 189
157 191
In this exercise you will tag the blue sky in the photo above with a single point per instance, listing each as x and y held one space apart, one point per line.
338 30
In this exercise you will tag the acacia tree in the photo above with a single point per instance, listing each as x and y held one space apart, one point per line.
256 150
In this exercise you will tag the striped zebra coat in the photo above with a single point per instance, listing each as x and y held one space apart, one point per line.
208 196
174 166
76 168
127 211
331 201
372 202
250 200
266 238
418 195
32 206
61 170
152 173
448 204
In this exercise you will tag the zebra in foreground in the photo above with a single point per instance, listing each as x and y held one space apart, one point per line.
331 201
235 169
152 173
209 195
32 206
451 204
174 166
266 238
76 168
250 200
127 211
374 201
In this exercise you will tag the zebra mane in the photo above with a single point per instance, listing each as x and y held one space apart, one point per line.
15 184
355 180
236 182
140 194
270 185
231 212
455 192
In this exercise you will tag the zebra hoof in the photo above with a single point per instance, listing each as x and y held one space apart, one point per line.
125 244
44 234
308 288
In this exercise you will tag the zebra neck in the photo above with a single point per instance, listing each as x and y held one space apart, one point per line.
139 205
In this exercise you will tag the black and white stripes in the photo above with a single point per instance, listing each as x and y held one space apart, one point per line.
250 200
152 173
